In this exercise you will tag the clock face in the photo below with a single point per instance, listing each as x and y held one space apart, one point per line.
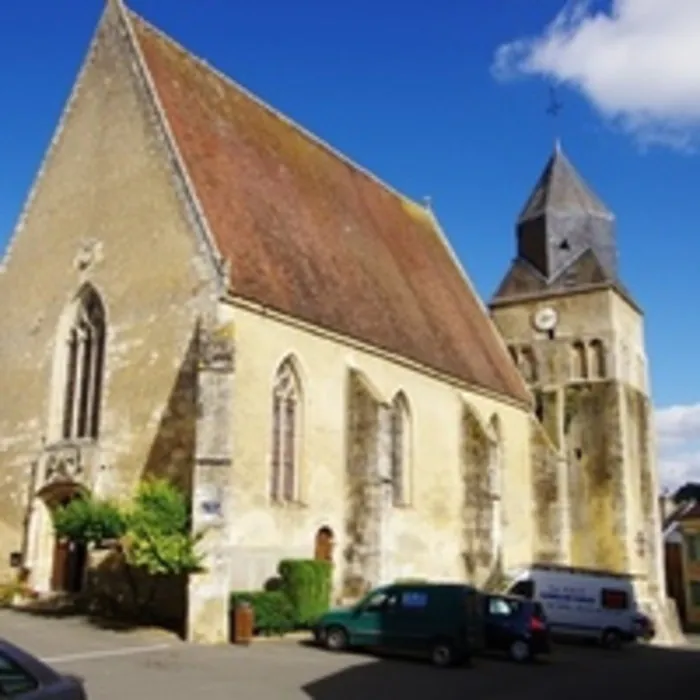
545 319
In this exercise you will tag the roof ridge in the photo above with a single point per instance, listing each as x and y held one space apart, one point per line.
444 240
582 185
201 222
306 133
539 201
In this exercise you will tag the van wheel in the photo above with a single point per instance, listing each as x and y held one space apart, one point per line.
612 639
443 654
336 639
520 651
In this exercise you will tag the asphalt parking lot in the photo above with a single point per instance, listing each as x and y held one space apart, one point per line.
116 665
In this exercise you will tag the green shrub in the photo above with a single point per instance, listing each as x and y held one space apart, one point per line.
307 584
273 611
158 532
89 520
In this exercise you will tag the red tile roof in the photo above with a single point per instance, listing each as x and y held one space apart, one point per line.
310 234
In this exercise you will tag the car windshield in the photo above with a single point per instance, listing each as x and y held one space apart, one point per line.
374 600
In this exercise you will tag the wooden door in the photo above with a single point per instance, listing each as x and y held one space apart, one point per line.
324 545
60 557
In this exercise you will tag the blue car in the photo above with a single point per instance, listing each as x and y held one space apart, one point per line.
25 677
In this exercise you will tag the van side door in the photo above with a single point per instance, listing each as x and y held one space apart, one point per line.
407 624
369 620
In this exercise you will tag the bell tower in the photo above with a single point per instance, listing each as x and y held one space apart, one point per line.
577 336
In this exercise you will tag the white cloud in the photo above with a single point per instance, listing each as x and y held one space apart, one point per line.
678 437
638 63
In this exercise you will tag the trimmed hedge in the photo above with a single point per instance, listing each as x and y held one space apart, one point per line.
274 613
307 585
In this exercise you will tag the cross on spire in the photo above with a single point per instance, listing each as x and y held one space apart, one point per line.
554 108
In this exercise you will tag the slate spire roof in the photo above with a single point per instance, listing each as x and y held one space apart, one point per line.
565 236
561 189
310 234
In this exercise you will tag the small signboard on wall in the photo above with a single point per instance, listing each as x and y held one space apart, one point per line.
210 507
15 560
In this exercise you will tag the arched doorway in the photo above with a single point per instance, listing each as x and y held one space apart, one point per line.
69 559
323 546
64 560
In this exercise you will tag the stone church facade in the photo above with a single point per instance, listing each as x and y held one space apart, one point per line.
197 288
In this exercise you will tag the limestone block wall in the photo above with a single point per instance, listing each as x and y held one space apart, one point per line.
595 451
547 474
590 380
644 516
361 516
106 209
424 537
480 547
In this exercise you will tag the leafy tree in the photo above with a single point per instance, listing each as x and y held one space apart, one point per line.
159 538
89 520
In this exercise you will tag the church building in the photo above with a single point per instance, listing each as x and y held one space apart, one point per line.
200 289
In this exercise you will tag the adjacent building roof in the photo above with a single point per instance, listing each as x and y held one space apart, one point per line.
310 234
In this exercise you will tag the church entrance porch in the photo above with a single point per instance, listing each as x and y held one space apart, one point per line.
56 565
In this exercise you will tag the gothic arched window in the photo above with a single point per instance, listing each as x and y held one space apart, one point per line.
400 450
286 430
85 358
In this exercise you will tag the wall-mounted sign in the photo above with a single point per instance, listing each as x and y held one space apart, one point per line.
15 560
210 504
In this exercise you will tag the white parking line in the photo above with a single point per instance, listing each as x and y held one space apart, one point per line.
87 655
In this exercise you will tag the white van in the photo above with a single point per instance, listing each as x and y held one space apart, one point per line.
582 603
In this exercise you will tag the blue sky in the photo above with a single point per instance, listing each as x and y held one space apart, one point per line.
414 95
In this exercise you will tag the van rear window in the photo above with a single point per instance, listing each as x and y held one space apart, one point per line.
525 589
614 599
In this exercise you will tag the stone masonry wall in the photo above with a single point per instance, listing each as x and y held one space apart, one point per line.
546 465
594 449
477 450
360 518
420 539
106 209
638 413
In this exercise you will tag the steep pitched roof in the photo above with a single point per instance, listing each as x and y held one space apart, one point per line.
561 189
312 235
686 510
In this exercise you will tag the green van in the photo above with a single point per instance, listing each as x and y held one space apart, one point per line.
443 621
